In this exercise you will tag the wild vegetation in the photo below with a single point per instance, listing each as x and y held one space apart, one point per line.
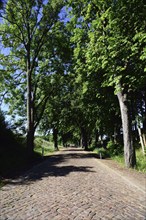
76 69
14 159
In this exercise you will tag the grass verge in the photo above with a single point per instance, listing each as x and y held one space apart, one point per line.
119 158
43 147
140 161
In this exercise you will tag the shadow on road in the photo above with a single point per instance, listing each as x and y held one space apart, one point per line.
55 165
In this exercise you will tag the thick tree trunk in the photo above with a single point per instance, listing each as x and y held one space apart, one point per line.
129 151
30 142
84 138
55 138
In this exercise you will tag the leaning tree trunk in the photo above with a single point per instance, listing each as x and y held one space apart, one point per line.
129 151
141 137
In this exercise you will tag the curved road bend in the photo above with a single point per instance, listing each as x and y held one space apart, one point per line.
72 185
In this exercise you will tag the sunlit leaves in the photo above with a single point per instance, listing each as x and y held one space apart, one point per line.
32 32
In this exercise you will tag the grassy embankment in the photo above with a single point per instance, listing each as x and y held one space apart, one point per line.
43 145
14 160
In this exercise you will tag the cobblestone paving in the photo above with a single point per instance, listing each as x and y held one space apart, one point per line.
71 185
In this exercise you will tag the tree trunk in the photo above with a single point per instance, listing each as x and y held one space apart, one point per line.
96 138
84 139
30 142
142 141
63 141
129 151
30 113
55 138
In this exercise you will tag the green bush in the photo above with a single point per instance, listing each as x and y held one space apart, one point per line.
116 152
114 149
41 144
103 152
141 161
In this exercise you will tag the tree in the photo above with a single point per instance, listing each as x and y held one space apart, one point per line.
128 75
108 52
28 33
58 80
107 42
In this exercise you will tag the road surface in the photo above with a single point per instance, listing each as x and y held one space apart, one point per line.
73 185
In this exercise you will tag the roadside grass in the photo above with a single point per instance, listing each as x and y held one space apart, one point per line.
141 161
43 147
119 158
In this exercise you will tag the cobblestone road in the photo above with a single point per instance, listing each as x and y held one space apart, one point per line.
72 185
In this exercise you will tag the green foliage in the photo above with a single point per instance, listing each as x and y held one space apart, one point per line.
114 149
32 34
111 150
119 159
115 152
103 153
141 161
109 52
75 67
12 154
6 134
46 146
3 124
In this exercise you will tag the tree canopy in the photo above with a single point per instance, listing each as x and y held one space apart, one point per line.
78 68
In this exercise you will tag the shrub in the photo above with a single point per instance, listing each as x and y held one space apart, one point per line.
114 149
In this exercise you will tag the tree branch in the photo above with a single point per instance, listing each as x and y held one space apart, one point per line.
21 32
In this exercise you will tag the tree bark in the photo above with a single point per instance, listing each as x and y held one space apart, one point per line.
30 110
30 121
96 138
55 138
84 138
129 151
30 142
